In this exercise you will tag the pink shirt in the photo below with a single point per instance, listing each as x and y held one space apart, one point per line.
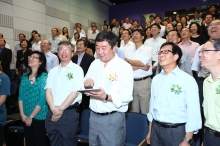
190 48
126 25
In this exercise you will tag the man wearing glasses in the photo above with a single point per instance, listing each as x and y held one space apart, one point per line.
174 113
210 59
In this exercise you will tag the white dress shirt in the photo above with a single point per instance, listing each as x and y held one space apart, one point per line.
144 54
162 30
52 61
62 86
90 32
36 46
155 44
170 104
130 46
7 46
120 88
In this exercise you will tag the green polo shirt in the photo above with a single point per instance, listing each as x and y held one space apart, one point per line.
211 103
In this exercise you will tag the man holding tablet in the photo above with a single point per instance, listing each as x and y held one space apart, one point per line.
114 77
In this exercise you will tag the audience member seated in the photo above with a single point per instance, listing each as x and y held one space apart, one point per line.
135 25
54 40
127 24
158 20
196 33
92 37
4 92
6 56
6 45
147 24
184 21
179 27
120 36
106 26
52 59
62 37
31 40
151 17
196 18
21 36
112 25
128 45
37 41
32 100
75 38
22 58
66 33
147 33
79 25
78 30
90 29
115 29
208 20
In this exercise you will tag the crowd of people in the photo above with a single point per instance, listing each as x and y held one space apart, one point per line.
158 71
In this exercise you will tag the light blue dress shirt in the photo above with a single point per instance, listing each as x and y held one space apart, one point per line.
120 53
52 61
166 106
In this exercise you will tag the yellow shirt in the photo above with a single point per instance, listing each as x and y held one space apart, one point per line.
211 103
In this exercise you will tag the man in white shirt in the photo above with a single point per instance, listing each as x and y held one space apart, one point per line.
127 24
52 59
36 44
115 29
113 76
140 58
155 42
151 17
55 40
90 30
158 20
128 45
91 38
63 99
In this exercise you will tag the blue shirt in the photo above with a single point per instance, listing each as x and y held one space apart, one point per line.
52 61
80 56
120 53
175 99
4 90
33 94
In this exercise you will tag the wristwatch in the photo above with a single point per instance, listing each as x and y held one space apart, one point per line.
106 99
190 141
31 117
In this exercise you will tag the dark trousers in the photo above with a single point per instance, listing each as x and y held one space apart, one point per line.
35 135
2 138
63 132
161 136
210 140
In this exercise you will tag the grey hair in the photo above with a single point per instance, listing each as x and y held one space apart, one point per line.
66 43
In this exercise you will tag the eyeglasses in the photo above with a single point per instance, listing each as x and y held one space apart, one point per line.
33 57
64 50
214 24
164 52
202 51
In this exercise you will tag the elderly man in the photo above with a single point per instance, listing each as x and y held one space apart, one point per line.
174 103
210 59
114 77
52 60
63 99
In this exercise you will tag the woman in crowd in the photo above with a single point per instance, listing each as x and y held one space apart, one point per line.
4 91
32 100
66 33
179 27
148 24
184 21
78 29
169 27
22 57
196 33
76 37
119 37
140 27
147 33
31 40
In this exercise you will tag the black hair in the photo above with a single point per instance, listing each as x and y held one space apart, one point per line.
24 40
78 27
38 34
175 50
76 33
145 36
181 25
94 26
178 34
129 32
185 18
208 13
151 16
1 34
108 36
42 67
136 21
199 30
157 25
82 40
22 34
105 21
140 31
63 29
158 17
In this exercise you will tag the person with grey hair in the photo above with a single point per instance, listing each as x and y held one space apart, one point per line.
210 59
63 99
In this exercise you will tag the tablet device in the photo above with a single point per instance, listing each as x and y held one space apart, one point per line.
89 90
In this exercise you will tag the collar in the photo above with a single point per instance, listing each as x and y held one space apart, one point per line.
48 53
181 43
37 43
69 65
174 72
81 54
209 78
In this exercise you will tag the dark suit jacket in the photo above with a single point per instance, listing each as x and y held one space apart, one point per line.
20 55
205 32
6 60
85 62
